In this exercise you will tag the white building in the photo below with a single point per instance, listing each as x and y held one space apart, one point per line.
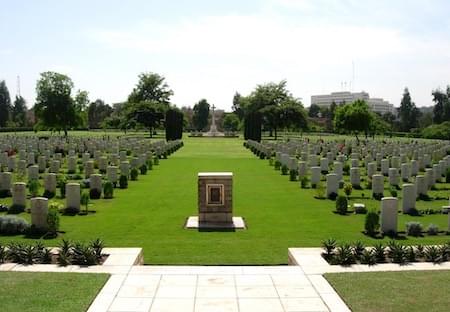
375 104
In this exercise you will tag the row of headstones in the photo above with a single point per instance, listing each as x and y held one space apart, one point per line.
102 161
389 215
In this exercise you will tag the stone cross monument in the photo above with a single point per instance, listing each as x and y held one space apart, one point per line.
213 129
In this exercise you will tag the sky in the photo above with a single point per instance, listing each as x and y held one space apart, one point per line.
212 49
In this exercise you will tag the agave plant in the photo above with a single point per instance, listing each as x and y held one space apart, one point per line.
358 249
98 246
84 254
397 252
368 256
411 254
380 253
329 245
420 251
3 254
344 255
444 252
432 254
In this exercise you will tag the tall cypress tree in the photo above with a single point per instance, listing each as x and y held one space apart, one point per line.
19 112
5 104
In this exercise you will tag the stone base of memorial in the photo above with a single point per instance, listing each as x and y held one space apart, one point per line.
215 203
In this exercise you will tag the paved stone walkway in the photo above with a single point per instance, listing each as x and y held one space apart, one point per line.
214 288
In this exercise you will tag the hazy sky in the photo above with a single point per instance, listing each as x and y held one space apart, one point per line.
211 49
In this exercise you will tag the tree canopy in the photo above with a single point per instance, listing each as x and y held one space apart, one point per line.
5 104
97 112
19 112
441 110
353 118
54 106
408 112
151 87
201 115
231 122
150 114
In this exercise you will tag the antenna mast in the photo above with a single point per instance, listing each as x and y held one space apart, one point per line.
18 85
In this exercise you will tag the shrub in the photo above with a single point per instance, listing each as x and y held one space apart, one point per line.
123 182
284 170
332 196
53 220
393 191
368 257
48 194
293 175
346 169
95 193
320 190
304 182
378 196
433 229
447 176
348 188
62 188
372 223
360 209
134 174
108 190
413 228
149 165
5 193
84 200
341 205
33 187
3 208
16 209
277 165
271 161
11 225
329 245
358 249
432 254
143 169
344 255
156 161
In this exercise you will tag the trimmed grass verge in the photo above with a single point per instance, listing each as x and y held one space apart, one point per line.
48 292
393 291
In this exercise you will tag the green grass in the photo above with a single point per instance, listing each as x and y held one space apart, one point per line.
393 291
48 292
279 215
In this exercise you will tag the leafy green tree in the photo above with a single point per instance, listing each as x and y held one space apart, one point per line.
408 112
201 115
5 104
231 122
174 124
237 109
151 87
441 110
150 114
19 112
97 112
54 106
313 111
353 118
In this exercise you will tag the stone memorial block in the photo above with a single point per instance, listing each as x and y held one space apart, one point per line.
427 160
341 158
304 156
85 158
123 156
125 168
19 194
429 175
315 175
393 177
215 201
409 197
436 173
73 197
58 156
443 167
135 162
33 172
42 163
72 164
88 168
95 183
12 163
50 183
421 185
414 167
405 172
54 166
332 184
355 178
30 159
385 167
338 169
114 159
377 184
4 159
324 164
39 212
111 173
371 169
102 163
5 183
313 160
389 207
293 163
395 162
354 163
302 169
22 167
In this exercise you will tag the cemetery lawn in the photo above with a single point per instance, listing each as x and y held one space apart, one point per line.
48 292
407 291
279 214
